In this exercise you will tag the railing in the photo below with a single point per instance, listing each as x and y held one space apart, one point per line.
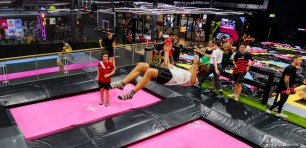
24 69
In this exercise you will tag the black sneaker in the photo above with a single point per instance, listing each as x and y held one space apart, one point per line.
101 102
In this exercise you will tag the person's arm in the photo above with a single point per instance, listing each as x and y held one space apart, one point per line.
100 43
216 65
194 69
286 80
98 73
114 43
250 65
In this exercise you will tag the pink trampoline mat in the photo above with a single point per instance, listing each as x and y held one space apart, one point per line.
46 118
196 134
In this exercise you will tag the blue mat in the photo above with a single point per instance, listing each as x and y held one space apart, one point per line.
39 58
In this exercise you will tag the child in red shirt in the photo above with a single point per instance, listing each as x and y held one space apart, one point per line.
105 70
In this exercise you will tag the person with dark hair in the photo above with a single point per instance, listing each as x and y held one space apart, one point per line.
241 60
109 43
105 70
170 75
207 52
286 85
159 43
215 68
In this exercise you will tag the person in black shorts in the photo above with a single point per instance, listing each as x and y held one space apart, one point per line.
241 67
168 76
105 70
286 85
159 44
109 43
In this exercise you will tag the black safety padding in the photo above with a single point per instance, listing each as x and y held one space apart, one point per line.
11 137
126 128
4 118
158 90
76 138
271 131
123 129
228 113
251 124
173 111
63 86
192 92
21 94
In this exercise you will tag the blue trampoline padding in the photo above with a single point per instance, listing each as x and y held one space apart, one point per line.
39 58
279 63
256 48
189 57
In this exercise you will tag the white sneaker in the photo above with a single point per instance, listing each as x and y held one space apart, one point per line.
231 95
268 111
236 98
281 115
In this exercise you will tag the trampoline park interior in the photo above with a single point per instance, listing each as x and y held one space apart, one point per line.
41 107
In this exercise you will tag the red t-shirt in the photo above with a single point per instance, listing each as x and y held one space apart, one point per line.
107 70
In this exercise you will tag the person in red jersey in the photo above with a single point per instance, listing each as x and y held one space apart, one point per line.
105 70
241 67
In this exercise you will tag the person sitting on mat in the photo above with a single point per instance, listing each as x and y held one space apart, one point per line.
168 76
302 90
105 70
286 85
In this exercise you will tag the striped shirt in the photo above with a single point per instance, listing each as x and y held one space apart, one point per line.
242 60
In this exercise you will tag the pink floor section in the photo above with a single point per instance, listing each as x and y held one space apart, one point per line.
38 120
196 134
47 70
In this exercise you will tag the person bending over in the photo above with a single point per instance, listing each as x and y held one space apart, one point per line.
168 76
105 71
286 85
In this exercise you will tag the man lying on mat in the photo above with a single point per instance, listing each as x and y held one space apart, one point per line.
167 76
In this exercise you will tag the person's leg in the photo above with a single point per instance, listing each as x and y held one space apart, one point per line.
171 60
140 68
150 73
240 78
218 82
282 101
239 88
107 98
101 96
159 58
302 94
151 56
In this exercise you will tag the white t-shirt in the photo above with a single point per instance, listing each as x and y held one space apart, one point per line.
248 48
179 77
217 53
